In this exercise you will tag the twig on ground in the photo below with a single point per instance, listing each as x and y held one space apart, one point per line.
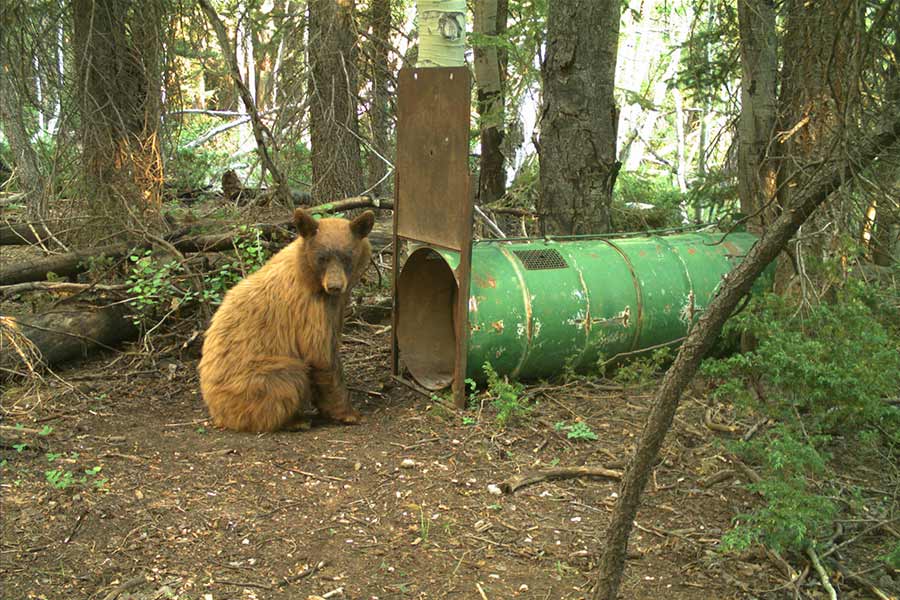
481 591
302 574
245 584
312 475
124 587
75 529
713 426
531 477
864 583
719 477
56 286
820 570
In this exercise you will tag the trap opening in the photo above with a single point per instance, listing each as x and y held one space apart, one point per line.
426 335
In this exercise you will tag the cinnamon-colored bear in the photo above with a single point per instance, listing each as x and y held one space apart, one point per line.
271 351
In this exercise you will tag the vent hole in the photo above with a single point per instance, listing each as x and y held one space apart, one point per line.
534 260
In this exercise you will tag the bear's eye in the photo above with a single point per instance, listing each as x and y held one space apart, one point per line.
322 259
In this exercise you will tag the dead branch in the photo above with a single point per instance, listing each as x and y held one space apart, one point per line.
352 203
863 583
255 120
72 263
713 426
820 570
531 477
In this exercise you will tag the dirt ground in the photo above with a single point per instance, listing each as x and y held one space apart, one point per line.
113 484
398 507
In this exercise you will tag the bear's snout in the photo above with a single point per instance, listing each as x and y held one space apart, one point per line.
335 280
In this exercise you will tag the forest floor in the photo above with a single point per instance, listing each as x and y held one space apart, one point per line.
115 485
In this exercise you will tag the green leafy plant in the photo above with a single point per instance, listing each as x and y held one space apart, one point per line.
820 373
151 284
892 558
795 513
156 285
63 478
59 478
644 369
505 396
579 431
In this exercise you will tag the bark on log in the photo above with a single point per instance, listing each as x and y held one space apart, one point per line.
63 336
21 234
63 265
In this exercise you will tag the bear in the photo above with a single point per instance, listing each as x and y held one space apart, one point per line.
271 352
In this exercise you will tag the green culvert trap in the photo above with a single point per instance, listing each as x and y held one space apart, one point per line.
537 307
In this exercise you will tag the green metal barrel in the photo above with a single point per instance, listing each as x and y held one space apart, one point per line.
537 307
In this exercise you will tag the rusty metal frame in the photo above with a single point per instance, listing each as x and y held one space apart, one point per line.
433 112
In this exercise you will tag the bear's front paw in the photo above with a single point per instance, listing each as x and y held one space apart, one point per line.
351 417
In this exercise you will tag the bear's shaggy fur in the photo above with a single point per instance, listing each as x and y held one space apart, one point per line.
271 351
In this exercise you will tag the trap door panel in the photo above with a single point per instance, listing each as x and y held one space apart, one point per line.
433 203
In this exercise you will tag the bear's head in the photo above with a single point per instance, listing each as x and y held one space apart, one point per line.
332 248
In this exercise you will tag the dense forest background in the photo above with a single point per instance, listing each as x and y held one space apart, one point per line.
121 107
151 154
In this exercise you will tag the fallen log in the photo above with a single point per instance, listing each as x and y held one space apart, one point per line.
23 234
57 286
62 265
59 337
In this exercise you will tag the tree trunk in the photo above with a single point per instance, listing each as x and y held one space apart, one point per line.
756 126
700 340
23 234
12 119
817 86
63 336
379 111
577 149
117 50
442 33
336 164
680 163
490 75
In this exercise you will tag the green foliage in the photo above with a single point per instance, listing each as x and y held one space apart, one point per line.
817 367
716 194
644 369
195 168
892 558
297 160
633 189
62 478
524 190
578 431
505 397
825 373
159 287
151 283
795 513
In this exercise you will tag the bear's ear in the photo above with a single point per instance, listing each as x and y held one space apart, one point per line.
304 223
362 225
